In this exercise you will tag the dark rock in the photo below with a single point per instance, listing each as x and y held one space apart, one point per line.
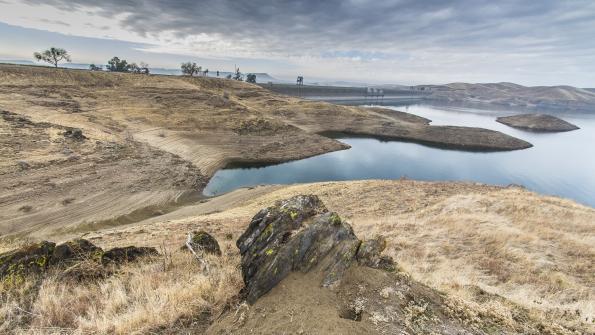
78 258
369 254
75 250
297 234
387 263
127 254
31 259
23 165
199 241
75 134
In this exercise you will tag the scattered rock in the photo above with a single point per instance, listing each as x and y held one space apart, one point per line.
23 165
127 254
297 234
75 133
201 241
32 259
26 208
39 257
75 250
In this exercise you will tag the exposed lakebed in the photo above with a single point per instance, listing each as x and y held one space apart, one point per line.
561 164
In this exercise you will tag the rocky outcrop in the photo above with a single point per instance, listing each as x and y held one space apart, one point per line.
297 234
38 258
537 122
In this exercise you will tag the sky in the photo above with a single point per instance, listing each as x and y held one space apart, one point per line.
533 43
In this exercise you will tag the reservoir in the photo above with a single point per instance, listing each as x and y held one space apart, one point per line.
561 164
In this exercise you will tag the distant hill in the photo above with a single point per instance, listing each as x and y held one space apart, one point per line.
514 95
260 77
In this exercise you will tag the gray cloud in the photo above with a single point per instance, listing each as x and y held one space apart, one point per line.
559 32
306 26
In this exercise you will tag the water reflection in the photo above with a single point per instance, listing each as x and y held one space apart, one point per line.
560 164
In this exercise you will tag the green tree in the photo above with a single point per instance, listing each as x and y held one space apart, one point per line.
52 56
94 67
118 65
190 69
251 78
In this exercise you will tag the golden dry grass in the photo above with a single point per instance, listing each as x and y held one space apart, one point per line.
168 293
461 238
491 249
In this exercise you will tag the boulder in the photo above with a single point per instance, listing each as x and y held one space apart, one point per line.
201 241
127 254
75 250
75 134
370 254
31 259
297 234
78 258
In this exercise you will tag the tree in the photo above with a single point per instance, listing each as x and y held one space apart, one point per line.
94 67
190 69
117 65
251 78
238 76
52 56
132 67
144 68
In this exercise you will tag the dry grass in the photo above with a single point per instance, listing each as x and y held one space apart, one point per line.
491 249
169 293
519 247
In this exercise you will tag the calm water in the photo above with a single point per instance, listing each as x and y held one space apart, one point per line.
560 164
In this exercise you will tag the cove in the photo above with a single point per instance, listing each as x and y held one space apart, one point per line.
561 164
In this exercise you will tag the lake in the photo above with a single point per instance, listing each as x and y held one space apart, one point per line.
561 164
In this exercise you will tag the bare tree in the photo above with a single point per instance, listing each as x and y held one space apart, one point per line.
52 56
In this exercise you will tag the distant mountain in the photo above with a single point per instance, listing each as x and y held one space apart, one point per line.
589 89
513 95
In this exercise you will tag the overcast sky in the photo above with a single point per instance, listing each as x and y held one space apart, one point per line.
537 42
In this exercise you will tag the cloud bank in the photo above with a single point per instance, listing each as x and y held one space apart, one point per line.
401 40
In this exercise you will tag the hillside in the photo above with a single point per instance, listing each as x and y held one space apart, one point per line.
148 143
514 95
120 160
504 260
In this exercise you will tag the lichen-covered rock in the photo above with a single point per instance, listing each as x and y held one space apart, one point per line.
75 250
78 258
297 234
127 254
201 241
31 259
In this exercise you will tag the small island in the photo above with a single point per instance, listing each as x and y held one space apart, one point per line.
537 122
